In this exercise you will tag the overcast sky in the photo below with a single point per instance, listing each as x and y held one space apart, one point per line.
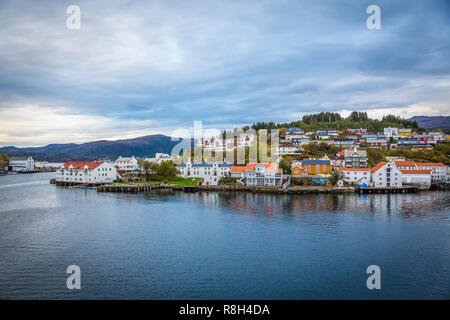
142 67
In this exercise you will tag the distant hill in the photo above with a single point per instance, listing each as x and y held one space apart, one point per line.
145 146
431 123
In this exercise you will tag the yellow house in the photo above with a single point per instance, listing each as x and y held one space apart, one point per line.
405 133
316 166
422 148
297 169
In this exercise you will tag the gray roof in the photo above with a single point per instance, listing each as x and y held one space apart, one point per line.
362 153
316 162
124 158
18 158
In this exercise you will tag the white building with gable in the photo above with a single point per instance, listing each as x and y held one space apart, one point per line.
386 174
19 164
209 172
86 172
126 163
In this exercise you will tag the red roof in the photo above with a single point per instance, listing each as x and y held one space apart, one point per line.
81 164
238 169
378 166
252 166
405 163
354 169
430 164
415 171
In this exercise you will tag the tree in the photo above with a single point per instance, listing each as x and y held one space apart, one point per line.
374 156
146 166
286 164
334 178
166 169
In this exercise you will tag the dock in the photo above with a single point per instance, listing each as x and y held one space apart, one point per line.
141 188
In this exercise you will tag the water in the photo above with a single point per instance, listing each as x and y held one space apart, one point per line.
224 246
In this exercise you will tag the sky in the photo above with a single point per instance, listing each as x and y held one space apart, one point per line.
135 68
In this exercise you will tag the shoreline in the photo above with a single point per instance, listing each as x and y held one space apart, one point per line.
135 188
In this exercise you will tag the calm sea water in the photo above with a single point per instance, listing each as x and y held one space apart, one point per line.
219 246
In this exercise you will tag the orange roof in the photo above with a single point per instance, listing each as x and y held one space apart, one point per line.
238 169
81 164
405 163
252 166
378 166
430 164
415 171
354 169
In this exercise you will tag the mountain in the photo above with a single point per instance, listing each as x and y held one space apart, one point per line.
431 123
145 146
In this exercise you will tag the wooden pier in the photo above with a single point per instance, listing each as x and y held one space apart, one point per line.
142 188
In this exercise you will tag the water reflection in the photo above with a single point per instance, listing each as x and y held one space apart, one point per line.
425 204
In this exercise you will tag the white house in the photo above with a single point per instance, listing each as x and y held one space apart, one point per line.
21 164
353 175
237 172
386 174
326 133
86 172
416 177
288 149
438 170
245 140
263 174
126 163
298 140
391 133
209 172
160 157
47 165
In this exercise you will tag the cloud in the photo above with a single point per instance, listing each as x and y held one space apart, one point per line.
61 125
226 63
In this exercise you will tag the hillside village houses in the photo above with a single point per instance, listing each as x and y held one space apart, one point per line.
294 131
91 172
126 163
209 172
326 133
391 133
298 140
218 144
288 149
357 131
405 133
20 164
